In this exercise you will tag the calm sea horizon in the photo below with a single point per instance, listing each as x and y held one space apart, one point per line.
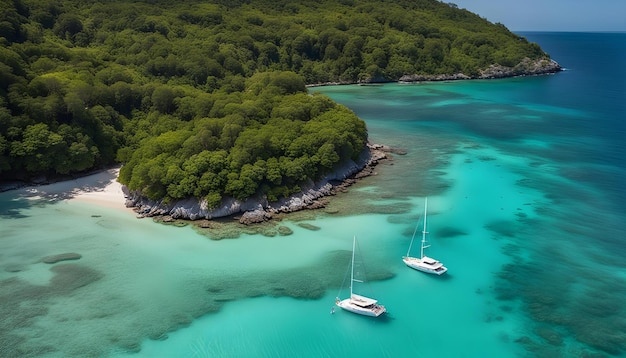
526 206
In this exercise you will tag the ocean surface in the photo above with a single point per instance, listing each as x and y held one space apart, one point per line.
526 187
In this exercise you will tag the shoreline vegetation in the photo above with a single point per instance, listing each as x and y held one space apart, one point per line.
205 104
258 209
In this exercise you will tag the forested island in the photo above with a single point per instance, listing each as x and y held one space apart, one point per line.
208 99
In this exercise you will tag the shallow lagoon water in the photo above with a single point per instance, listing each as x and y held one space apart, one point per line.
525 185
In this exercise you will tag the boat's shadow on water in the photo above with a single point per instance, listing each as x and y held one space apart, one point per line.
427 276
445 277
384 318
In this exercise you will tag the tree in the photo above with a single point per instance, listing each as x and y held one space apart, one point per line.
36 147
67 26
163 99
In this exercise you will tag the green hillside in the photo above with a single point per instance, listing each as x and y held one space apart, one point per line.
208 98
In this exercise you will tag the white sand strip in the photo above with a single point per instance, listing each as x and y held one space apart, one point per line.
101 189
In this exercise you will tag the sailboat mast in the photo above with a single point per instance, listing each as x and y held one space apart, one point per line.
408 253
424 231
352 272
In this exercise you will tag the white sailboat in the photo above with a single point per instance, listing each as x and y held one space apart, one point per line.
423 263
356 303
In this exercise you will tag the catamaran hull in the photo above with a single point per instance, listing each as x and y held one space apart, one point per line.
365 311
416 264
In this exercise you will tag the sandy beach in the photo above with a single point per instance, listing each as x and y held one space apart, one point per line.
101 188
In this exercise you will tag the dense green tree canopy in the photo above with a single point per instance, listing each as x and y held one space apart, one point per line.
208 98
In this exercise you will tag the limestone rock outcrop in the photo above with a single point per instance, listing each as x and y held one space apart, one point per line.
526 67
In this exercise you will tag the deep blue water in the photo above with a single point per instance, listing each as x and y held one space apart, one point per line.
525 179
595 82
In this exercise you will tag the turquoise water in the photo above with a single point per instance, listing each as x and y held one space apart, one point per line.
525 179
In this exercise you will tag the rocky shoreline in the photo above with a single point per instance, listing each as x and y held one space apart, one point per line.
258 209
527 67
